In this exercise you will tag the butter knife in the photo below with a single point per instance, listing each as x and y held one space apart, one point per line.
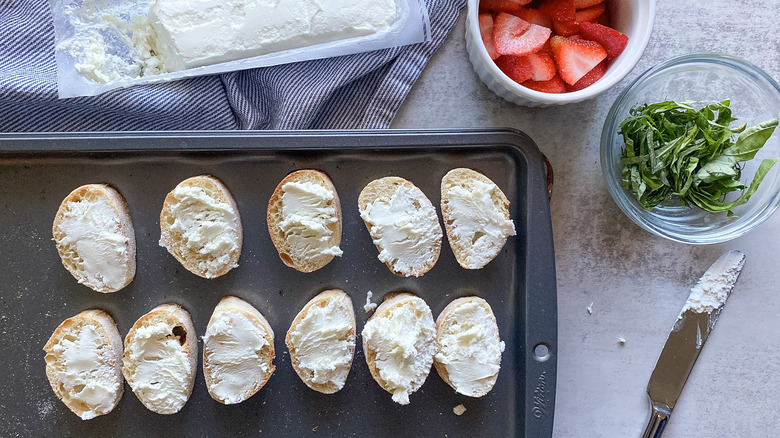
697 318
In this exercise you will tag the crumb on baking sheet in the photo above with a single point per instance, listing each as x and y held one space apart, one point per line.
369 306
621 341
590 309
459 410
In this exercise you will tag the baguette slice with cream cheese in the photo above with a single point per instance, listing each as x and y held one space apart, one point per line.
95 237
321 341
468 346
304 220
399 341
84 363
201 227
476 217
403 225
238 351
161 357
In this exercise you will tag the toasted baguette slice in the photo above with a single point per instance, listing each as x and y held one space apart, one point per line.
468 346
95 237
201 227
321 341
161 358
399 341
238 351
476 217
304 220
403 225
84 363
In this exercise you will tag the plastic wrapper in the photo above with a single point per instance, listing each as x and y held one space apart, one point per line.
97 45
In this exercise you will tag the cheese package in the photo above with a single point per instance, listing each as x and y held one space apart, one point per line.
107 44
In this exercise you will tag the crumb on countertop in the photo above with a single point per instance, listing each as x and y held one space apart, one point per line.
621 341
590 309
459 410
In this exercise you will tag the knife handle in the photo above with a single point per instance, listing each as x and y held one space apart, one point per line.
658 419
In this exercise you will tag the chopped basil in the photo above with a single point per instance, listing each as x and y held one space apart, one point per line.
672 149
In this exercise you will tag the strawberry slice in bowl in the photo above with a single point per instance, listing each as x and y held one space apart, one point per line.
613 41
486 31
554 85
514 36
497 6
575 57
532 67
590 78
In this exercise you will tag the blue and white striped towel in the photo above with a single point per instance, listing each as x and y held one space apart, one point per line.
349 92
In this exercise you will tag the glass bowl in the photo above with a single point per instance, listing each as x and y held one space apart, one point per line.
703 78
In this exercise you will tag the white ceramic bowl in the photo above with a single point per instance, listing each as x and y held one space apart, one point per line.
634 18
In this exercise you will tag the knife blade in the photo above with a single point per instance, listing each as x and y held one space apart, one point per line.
688 335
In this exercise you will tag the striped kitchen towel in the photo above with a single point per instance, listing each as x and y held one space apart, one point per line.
350 92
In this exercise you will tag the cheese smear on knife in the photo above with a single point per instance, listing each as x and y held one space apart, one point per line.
194 33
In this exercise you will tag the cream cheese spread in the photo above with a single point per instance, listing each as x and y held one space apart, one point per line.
159 368
470 349
84 373
322 343
712 290
405 229
308 210
404 344
476 219
197 33
206 226
92 229
233 346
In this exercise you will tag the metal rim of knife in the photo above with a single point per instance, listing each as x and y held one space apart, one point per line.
685 342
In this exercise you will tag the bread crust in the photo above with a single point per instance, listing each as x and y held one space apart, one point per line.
174 315
386 187
188 258
234 304
322 298
274 217
391 301
465 177
68 254
109 335
443 322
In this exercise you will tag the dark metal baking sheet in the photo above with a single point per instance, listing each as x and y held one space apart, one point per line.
36 293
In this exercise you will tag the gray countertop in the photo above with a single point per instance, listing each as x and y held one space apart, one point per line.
637 282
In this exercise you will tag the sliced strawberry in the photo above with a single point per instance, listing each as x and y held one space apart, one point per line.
542 65
560 10
554 85
533 16
590 78
567 28
590 14
516 67
613 41
515 36
604 19
582 4
535 67
486 31
546 48
496 6
575 58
